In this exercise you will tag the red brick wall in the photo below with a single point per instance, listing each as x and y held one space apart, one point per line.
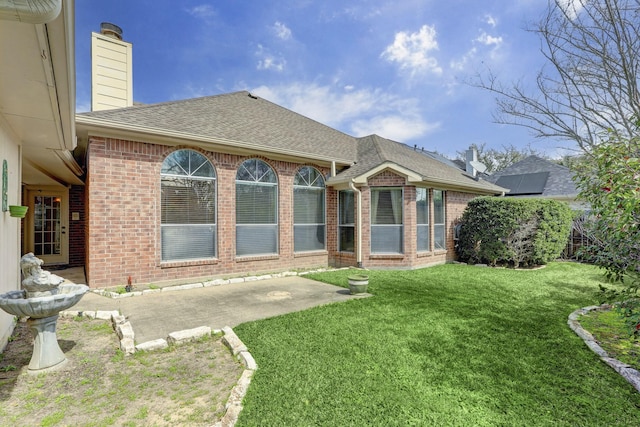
455 203
122 227
123 208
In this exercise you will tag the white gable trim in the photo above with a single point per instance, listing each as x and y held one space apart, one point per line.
408 174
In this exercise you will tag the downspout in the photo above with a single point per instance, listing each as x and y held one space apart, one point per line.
30 11
359 219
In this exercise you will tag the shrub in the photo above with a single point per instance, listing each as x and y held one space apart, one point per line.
610 183
514 231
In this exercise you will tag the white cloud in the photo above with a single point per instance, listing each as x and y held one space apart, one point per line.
397 128
571 7
203 11
271 63
461 64
489 40
412 51
357 112
491 20
489 49
268 61
282 31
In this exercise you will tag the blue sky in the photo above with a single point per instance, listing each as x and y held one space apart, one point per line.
396 68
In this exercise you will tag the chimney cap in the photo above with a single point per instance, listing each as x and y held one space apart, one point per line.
111 30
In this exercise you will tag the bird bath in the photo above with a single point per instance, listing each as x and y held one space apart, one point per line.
43 297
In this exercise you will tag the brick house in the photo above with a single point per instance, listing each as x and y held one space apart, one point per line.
234 184
216 186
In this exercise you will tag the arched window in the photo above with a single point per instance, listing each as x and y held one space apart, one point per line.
256 209
188 204
308 210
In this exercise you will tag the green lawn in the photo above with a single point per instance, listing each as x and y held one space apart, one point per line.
449 345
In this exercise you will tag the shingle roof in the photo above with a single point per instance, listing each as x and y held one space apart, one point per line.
559 182
373 150
240 117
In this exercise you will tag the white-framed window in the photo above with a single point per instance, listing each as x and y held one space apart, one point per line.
308 210
256 209
439 220
387 228
188 207
422 219
346 221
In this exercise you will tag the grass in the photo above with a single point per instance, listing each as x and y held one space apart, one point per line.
613 335
449 345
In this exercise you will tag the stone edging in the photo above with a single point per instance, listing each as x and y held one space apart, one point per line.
628 373
209 283
125 333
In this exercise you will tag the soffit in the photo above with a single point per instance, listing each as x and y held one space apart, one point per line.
37 93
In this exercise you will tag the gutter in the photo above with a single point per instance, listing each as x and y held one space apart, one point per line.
30 11
359 219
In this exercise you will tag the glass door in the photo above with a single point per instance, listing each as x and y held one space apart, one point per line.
48 232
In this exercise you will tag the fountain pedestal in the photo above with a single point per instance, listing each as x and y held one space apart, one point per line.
46 350
41 300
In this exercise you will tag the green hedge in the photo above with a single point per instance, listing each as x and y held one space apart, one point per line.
514 231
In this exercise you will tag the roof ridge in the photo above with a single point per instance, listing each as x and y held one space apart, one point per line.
158 104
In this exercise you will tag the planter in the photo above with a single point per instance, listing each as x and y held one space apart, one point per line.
358 284
18 211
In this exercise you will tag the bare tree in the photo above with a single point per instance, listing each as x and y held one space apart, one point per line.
590 84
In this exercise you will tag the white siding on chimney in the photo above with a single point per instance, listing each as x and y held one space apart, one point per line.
111 73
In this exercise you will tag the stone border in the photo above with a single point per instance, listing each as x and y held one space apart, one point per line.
628 373
125 333
209 283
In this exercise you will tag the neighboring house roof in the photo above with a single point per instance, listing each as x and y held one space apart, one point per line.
537 176
376 154
237 118
241 121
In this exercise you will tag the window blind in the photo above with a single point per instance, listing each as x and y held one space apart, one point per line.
188 207
422 219
256 209
386 221
308 210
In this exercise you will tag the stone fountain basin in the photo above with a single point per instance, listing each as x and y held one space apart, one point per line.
16 303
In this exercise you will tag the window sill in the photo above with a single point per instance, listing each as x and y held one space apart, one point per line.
188 263
250 258
310 253
386 256
425 254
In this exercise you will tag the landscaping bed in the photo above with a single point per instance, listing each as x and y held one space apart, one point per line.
100 386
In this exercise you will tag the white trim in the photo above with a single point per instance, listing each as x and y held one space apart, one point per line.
409 175
359 221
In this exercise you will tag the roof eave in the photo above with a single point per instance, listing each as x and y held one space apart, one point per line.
415 178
